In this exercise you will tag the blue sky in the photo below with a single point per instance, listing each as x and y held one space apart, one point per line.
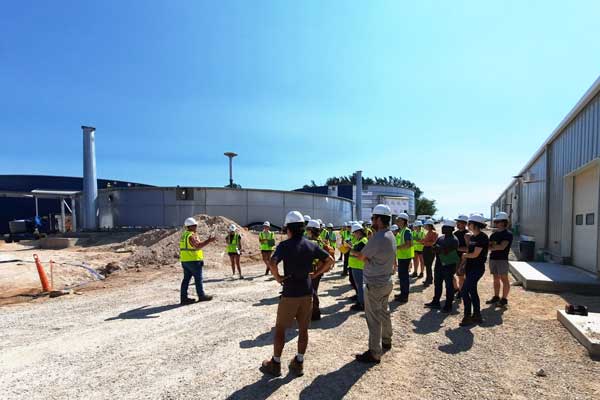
455 96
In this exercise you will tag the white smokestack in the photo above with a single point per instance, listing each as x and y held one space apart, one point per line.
90 185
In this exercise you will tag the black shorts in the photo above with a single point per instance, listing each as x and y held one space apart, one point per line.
266 251
233 254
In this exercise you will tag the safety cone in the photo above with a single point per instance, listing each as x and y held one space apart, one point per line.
43 278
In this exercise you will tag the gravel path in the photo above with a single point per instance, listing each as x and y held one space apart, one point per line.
131 342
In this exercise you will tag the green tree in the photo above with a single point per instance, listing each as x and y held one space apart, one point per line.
425 206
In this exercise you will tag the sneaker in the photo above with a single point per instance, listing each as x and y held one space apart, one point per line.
241 277
420 275
367 357
401 299
433 304
426 284
296 367
386 346
466 321
414 275
477 319
357 307
502 303
187 301
205 298
315 317
271 367
493 300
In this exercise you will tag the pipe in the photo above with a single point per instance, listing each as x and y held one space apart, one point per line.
90 185
358 195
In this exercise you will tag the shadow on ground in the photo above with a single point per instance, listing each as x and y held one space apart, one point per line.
144 312
461 340
431 321
261 389
266 339
335 385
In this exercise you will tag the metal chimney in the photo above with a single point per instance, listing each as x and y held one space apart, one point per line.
90 185
358 199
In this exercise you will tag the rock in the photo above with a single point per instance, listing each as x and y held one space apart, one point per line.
110 268
541 373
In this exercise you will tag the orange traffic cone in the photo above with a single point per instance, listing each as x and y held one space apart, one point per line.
43 278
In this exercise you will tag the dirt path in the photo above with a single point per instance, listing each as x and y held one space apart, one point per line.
132 342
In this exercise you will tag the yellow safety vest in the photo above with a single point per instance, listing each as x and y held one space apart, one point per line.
233 246
418 235
186 251
403 254
354 262
266 236
332 239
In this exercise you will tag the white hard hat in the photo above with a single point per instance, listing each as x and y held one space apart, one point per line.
190 222
313 223
462 218
394 227
403 216
429 222
307 218
382 209
320 221
418 223
360 222
232 228
501 216
267 223
477 218
294 217
449 222
330 225
356 227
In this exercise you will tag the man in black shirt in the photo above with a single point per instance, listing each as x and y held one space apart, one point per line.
500 243
297 254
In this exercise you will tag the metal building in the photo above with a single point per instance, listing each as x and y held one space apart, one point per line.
170 206
554 198
399 199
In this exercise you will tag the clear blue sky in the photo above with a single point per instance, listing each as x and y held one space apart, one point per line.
455 96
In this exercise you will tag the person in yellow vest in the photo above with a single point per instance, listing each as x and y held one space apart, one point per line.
267 243
192 261
357 265
346 236
314 235
322 232
418 234
331 236
404 254
234 250
368 229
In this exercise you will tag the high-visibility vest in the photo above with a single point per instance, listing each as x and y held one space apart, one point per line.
323 235
266 236
354 262
403 254
368 232
235 241
418 235
346 235
186 251
332 239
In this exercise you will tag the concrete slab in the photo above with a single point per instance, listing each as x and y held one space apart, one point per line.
56 243
585 329
549 277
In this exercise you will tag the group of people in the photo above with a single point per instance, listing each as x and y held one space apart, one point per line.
372 252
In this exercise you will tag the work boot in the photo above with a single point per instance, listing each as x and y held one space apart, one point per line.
433 304
187 301
502 303
493 300
420 276
386 346
466 321
414 275
205 298
296 367
315 317
401 299
367 357
271 367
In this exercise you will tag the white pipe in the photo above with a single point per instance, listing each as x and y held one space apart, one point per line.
90 185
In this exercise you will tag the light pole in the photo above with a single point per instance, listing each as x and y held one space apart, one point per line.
230 155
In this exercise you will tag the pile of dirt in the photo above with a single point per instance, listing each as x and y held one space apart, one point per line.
161 246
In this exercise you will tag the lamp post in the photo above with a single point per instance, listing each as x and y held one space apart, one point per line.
230 155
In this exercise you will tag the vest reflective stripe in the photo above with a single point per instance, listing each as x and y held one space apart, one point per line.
403 254
418 235
354 262
233 246
186 251
269 236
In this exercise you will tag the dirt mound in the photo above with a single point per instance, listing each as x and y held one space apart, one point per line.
161 246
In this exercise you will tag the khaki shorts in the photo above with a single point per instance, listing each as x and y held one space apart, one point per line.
294 308
499 267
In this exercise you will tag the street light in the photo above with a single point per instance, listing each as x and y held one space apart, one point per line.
230 155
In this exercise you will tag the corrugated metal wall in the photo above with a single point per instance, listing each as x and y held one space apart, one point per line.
578 144
532 204
159 207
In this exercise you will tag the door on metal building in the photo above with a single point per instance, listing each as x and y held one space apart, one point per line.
585 219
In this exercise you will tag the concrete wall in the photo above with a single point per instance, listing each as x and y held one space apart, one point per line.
159 207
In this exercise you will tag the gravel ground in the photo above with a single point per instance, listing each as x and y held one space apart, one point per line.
133 341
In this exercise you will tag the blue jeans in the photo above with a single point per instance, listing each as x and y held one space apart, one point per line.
357 274
470 296
404 277
192 268
444 274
